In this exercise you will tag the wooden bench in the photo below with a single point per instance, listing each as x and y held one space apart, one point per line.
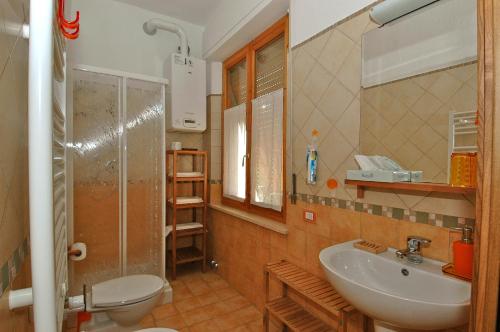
318 291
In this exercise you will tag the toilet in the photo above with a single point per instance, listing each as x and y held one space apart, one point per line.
120 304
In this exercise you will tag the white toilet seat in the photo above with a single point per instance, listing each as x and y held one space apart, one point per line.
126 290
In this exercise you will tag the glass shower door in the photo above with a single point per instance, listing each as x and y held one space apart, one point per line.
96 176
144 177
119 176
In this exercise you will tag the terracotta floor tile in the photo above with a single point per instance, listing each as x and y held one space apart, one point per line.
218 309
208 298
148 321
196 316
182 294
206 303
187 304
227 322
237 302
174 322
218 284
189 276
176 283
247 314
164 311
198 287
207 326
226 293
256 326
211 277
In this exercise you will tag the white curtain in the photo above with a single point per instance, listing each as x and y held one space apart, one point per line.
267 151
235 147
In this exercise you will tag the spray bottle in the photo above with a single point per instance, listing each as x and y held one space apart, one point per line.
312 159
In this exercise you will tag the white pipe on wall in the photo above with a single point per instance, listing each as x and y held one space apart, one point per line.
40 165
16 29
20 298
151 27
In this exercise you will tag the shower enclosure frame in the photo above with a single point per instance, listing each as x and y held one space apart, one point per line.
122 90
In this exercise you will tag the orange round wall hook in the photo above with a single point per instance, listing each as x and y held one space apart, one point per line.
332 184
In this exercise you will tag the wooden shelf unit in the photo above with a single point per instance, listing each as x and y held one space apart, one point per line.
295 317
409 186
310 287
187 255
183 255
187 179
187 206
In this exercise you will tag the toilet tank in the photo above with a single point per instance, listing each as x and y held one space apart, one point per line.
186 94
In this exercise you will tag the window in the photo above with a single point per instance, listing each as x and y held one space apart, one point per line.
254 113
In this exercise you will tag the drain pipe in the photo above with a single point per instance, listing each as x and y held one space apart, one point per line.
151 27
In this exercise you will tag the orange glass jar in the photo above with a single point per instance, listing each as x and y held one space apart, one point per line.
463 169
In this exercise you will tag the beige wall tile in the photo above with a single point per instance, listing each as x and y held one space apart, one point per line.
302 64
338 44
345 225
355 27
316 84
335 101
296 245
382 230
315 243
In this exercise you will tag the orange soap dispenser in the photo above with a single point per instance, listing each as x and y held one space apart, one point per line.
463 252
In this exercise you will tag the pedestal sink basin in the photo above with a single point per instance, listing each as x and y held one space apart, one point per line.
396 294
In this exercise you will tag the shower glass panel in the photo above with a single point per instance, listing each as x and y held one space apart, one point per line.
119 176
96 176
144 177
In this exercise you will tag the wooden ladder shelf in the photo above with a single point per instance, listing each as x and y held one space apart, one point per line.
198 201
292 315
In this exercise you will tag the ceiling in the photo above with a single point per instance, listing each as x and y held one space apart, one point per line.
193 11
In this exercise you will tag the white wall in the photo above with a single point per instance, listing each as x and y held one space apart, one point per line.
111 36
226 17
310 17
438 36
214 78
234 23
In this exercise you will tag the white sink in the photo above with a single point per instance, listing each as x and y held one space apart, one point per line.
425 299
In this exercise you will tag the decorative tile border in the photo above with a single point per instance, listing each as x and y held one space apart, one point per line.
11 269
421 217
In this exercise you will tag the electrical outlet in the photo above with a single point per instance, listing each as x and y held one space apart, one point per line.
309 216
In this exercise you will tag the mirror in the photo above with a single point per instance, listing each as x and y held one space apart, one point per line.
418 89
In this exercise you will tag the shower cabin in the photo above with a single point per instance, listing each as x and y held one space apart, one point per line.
118 172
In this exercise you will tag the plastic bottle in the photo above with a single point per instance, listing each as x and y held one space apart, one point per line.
312 159
463 253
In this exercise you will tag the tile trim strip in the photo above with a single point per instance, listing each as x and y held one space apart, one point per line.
12 267
434 219
422 217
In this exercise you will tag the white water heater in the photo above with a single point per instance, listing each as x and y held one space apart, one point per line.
186 94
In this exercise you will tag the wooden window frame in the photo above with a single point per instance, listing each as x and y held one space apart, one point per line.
278 29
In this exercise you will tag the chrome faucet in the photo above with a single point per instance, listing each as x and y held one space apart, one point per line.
413 253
